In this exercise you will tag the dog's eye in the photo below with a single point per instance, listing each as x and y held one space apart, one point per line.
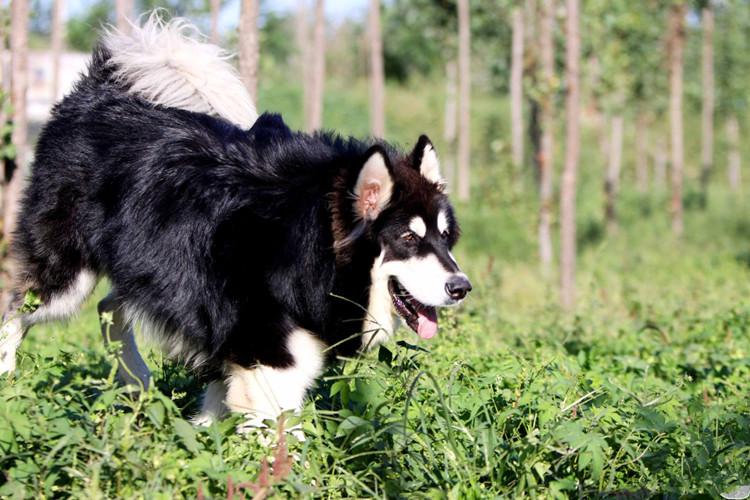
444 234
409 237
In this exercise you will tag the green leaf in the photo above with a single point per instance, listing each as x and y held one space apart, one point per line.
187 434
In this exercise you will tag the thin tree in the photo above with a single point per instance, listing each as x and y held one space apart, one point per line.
19 46
124 12
318 69
660 163
449 126
733 155
464 97
516 88
676 38
302 35
707 111
249 46
641 152
215 10
57 45
531 67
3 117
614 165
546 120
377 74
572 155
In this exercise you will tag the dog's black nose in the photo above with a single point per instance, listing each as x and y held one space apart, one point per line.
458 286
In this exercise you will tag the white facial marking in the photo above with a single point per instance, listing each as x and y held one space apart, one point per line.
423 277
418 226
264 392
442 221
378 324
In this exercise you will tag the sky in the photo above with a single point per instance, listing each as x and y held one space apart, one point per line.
336 10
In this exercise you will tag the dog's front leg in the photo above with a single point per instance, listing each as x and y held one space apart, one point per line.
263 392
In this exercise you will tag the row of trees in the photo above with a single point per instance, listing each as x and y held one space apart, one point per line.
628 47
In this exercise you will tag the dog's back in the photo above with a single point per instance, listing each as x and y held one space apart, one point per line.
87 153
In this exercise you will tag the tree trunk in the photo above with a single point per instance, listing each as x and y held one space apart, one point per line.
464 96
660 164
707 112
516 90
612 182
303 55
318 70
572 155
734 159
57 45
531 67
449 127
123 13
19 84
641 153
4 86
676 56
546 119
249 46
215 10
377 75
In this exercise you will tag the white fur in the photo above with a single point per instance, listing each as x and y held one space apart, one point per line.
64 304
132 369
442 221
167 65
172 344
212 407
60 306
264 392
418 226
373 188
11 336
378 325
423 277
430 166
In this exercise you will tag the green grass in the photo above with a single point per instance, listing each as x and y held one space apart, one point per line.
643 391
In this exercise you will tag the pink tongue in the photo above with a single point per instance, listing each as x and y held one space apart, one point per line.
427 323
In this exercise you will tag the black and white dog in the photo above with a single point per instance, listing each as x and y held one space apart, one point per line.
251 251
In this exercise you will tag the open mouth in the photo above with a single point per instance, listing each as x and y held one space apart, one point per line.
420 318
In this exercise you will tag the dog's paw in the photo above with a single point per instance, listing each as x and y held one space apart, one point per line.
203 420
7 361
267 434
297 432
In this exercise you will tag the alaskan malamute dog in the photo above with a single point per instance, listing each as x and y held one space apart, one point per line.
251 251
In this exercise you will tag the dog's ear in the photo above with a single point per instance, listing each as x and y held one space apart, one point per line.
424 159
374 184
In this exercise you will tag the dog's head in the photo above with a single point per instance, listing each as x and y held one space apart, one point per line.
403 197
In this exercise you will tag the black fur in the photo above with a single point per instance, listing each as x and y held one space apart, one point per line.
226 237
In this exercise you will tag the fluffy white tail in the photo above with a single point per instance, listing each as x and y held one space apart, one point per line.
169 64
